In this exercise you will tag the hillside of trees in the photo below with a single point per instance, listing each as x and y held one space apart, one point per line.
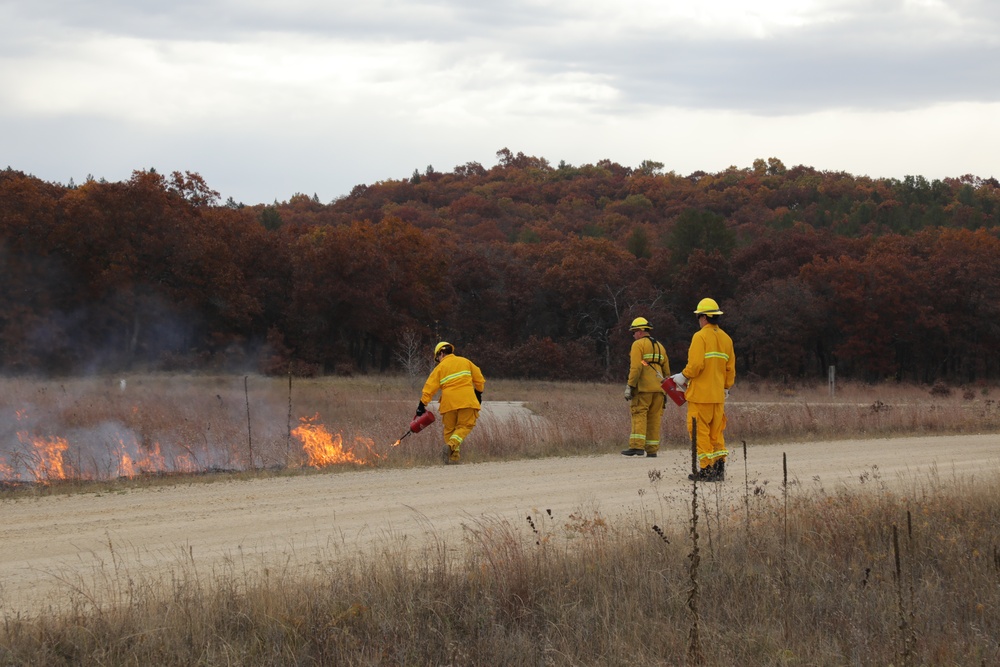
532 270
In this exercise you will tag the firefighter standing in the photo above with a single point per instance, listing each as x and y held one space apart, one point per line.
643 391
461 384
708 376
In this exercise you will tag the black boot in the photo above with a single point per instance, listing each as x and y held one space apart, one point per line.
703 475
720 470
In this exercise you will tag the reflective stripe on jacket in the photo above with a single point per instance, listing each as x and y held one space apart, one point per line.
457 378
711 365
643 349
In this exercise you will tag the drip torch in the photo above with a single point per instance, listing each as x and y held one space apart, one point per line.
418 424
668 386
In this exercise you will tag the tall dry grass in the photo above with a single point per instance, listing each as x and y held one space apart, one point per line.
856 577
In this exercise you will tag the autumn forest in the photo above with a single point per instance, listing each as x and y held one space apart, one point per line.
533 270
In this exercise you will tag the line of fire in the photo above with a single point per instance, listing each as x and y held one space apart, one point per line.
45 459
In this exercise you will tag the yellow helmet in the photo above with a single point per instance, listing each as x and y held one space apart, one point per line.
640 323
708 307
440 346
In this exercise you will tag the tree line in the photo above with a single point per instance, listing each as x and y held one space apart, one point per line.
532 269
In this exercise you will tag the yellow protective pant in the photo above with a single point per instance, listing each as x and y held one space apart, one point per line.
647 411
457 424
711 420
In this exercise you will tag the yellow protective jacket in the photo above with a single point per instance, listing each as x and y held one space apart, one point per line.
641 377
711 366
456 377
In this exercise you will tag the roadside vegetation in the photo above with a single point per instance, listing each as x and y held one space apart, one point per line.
796 575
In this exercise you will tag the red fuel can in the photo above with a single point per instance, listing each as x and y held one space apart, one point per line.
422 422
670 389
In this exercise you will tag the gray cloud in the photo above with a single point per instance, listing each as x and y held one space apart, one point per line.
879 60
266 99
794 77
886 54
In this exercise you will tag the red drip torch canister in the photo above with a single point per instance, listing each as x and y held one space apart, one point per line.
423 421
670 389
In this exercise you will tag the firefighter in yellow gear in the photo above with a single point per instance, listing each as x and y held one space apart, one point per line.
707 378
461 384
643 391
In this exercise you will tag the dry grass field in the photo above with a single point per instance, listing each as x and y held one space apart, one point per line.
113 429
261 521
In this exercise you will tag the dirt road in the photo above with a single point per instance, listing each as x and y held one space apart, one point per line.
51 545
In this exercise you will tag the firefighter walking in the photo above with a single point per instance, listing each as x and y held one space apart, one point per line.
707 378
461 384
647 358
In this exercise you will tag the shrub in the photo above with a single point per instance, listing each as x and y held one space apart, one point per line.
940 389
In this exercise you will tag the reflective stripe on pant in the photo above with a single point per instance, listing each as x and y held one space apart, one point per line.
457 424
647 412
711 424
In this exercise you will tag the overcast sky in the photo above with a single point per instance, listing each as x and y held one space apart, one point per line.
267 99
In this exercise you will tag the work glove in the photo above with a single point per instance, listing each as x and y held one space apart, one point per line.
629 392
479 396
680 380
726 398
421 408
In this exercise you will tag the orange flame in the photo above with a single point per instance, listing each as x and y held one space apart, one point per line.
151 461
46 461
125 466
324 449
